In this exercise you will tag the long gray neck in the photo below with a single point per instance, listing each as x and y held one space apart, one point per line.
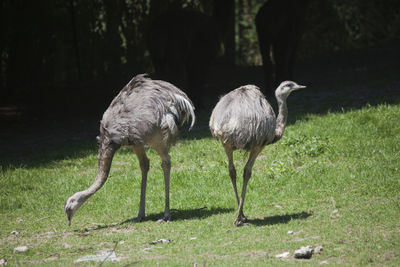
281 119
104 165
101 178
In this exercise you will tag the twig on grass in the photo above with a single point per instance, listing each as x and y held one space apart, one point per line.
111 252
41 218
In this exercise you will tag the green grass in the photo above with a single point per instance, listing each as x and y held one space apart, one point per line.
345 161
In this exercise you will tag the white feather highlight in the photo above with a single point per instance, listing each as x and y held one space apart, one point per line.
187 107
170 121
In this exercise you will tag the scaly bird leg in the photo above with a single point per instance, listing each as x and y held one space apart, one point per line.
241 219
232 171
144 163
166 166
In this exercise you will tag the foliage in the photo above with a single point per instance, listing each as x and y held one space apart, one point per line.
52 49
344 25
302 145
367 21
247 40
331 26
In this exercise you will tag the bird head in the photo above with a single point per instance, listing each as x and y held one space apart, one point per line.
285 88
73 204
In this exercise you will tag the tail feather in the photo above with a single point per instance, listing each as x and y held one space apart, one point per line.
187 107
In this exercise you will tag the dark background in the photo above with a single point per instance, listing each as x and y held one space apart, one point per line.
71 57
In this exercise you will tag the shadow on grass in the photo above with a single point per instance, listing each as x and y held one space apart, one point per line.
278 219
190 214
176 215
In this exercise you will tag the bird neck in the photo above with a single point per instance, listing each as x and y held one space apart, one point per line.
281 119
103 169
84 195
102 174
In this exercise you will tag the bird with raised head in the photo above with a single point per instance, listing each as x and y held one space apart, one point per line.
145 112
243 119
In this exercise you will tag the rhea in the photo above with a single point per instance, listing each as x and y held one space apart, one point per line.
243 119
145 112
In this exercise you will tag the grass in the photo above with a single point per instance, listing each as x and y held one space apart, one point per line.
333 180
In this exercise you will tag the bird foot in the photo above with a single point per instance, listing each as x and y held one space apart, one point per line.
241 221
137 219
164 220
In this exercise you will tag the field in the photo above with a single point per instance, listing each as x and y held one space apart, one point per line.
332 181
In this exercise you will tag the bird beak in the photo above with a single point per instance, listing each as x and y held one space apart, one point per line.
298 87
69 215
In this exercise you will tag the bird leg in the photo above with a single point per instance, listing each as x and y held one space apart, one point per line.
232 171
166 166
241 219
144 163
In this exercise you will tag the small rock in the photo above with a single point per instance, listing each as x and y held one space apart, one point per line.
3 262
193 238
294 233
67 246
335 214
318 249
105 256
282 255
21 249
146 250
304 253
277 206
14 232
323 262
162 240
52 257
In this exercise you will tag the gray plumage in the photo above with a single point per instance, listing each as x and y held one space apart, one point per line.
243 119
145 112
143 108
